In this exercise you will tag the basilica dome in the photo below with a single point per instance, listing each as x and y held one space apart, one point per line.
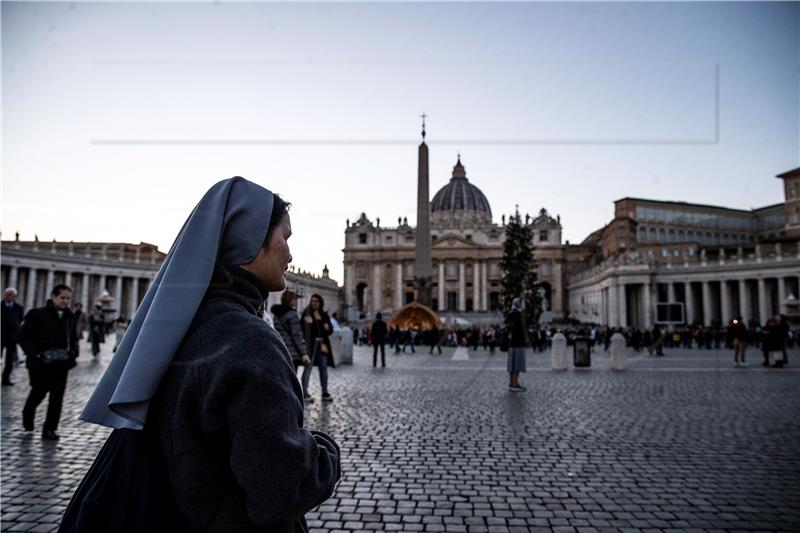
460 200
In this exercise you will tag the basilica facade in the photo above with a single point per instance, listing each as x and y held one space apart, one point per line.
466 249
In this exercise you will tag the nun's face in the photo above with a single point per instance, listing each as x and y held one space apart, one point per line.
272 261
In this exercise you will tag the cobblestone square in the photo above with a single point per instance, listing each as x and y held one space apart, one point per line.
684 442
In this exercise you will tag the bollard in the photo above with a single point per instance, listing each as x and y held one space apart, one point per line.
342 345
617 360
558 357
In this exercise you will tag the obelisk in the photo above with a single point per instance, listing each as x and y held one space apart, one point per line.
423 274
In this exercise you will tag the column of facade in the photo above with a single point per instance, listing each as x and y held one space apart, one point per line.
781 295
133 297
725 303
48 286
68 280
613 305
476 286
647 305
744 301
102 284
376 287
623 307
462 289
349 281
763 312
670 292
30 290
13 274
485 292
687 292
85 278
706 304
118 296
442 303
398 299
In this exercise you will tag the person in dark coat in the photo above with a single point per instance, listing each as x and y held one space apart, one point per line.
97 326
287 323
378 334
317 328
11 313
517 343
435 339
204 377
48 339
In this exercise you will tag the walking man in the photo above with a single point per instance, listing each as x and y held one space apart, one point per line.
11 319
50 344
378 334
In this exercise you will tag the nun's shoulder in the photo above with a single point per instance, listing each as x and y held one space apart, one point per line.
240 333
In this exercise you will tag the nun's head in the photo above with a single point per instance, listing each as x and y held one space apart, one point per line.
272 260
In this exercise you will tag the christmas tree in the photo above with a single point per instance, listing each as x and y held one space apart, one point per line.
519 270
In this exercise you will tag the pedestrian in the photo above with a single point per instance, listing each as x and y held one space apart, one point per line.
47 337
737 333
782 332
378 335
120 327
435 339
11 314
517 342
81 322
317 328
97 323
207 409
287 323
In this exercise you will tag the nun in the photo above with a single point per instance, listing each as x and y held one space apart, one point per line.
206 410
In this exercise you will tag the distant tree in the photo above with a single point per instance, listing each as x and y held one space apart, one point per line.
519 269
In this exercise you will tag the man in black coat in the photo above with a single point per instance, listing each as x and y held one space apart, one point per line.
45 331
12 314
378 334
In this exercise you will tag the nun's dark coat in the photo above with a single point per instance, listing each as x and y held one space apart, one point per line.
230 414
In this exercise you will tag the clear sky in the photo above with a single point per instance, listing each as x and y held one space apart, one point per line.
117 117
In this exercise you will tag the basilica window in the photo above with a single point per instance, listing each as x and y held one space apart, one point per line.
544 269
493 269
451 269
362 238
543 235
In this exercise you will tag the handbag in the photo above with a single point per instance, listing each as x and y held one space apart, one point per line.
126 490
60 355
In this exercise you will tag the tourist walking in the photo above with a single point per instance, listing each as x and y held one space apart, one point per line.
97 326
287 323
12 314
47 337
737 333
378 335
517 342
81 322
435 339
206 406
317 329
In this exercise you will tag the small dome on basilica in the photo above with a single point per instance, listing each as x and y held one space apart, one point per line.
459 195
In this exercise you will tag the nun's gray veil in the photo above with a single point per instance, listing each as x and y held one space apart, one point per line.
228 225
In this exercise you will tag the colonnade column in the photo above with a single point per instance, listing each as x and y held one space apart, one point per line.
485 292
85 291
103 281
13 274
725 302
623 307
30 291
476 286
763 313
687 293
781 295
133 300
118 296
442 303
462 289
706 304
376 287
647 304
670 292
613 309
398 286
744 302
48 287
68 281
